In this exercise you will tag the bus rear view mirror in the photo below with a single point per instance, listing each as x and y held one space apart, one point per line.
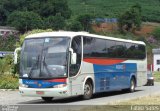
15 54
73 56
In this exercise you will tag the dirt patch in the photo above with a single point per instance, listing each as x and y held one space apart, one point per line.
146 28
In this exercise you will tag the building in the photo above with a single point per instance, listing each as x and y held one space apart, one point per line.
156 59
7 30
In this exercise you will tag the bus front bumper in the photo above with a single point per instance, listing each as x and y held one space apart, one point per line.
44 92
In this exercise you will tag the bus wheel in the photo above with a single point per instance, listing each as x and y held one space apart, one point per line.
132 85
47 99
88 90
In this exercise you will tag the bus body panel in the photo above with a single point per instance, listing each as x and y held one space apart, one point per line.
111 77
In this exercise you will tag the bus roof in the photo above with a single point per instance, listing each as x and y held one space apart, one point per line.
73 34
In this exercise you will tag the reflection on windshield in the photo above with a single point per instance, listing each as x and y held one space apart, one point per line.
44 58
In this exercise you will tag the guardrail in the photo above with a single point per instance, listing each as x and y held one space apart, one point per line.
4 53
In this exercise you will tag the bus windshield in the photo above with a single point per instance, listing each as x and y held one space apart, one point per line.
44 58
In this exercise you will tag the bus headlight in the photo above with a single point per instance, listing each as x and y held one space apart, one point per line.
60 86
23 85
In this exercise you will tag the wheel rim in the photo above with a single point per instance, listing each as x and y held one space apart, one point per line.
132 85
87 89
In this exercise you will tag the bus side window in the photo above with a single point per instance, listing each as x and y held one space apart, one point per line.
77 48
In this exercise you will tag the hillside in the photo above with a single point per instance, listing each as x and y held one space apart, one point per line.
112 8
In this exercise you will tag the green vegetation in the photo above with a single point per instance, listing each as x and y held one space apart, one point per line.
24 21
55 22
85 21
9 41
112 8
125 105
7 66
8 77
32 14
156 33
131 19
149 100
156 76
74 25
8 82
106 108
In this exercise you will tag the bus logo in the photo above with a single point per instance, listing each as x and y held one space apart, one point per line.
39 85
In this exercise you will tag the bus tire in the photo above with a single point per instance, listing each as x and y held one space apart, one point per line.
88 90
132 85
47 99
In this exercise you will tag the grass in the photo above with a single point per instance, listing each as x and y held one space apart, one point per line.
156 76
149 100
106 108
112 8
126 105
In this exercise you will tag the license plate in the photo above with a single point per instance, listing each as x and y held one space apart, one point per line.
40 92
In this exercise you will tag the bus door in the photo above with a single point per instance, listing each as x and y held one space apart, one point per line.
74 69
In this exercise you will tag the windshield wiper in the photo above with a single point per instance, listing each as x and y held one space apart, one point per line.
45 65
34 65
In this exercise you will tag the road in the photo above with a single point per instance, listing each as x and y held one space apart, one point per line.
13 97
12 101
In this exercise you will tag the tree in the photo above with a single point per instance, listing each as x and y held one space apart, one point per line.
75 26
85 21
131 19
24 21
3 15
52 7
42 10
56 22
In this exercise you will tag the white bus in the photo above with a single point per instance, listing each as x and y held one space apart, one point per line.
63 64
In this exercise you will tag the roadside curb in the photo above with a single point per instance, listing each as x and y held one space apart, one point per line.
9 89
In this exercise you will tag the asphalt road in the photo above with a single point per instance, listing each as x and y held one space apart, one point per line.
13 97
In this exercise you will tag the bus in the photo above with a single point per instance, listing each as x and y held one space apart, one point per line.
65 64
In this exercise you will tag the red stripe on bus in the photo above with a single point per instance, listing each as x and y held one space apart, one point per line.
57 80
101 61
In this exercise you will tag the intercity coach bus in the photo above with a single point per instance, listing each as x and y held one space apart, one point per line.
63 64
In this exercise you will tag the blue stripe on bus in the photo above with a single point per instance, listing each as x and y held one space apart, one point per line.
40 83
113 77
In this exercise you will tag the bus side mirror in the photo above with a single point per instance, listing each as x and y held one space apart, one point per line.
73 56
15 54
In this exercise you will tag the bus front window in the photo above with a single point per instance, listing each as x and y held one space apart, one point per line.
44 58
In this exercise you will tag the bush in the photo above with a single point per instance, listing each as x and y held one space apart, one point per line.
7 66
8 82
156 33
